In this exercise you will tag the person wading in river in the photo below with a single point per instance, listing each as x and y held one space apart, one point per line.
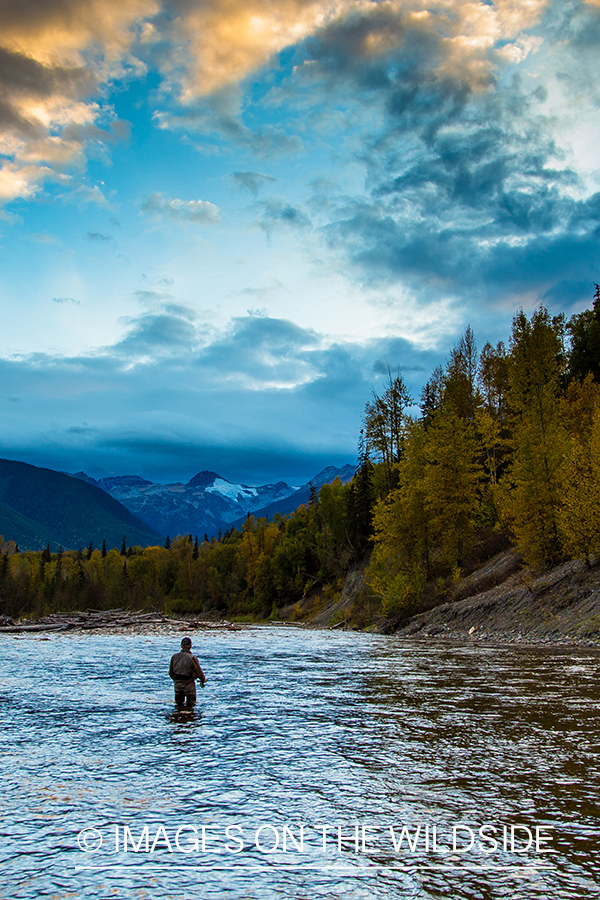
184 669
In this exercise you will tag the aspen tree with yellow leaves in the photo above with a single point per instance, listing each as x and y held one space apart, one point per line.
532 488
579 514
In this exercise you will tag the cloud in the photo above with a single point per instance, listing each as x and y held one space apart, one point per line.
223 42
66 300
278 212
40 238
168 329
264 398
54 58
473 191
251 181
158 208
59 60
98 236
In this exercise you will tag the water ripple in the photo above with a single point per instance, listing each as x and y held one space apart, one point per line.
296 728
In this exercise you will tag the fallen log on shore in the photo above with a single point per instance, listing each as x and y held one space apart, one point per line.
104 619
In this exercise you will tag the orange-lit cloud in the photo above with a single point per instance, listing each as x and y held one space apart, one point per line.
58 56
220 42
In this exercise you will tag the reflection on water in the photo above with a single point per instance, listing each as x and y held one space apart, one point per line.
305 730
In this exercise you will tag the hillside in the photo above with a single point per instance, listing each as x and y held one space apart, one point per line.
500 602
40 506
558 605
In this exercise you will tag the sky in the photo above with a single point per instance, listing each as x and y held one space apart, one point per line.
221 221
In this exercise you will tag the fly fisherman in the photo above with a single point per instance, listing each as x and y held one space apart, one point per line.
184 669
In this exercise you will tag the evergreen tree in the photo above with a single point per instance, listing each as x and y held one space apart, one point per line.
124 547
451 481
460 377
104 550
359 508
385 423
431 395
400 563
584 357
168 543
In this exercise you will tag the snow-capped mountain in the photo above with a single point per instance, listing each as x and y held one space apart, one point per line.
207 502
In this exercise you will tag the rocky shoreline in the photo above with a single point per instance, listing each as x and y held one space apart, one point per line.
558 607
113 621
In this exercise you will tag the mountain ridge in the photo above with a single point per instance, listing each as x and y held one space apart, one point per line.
208 502
40 506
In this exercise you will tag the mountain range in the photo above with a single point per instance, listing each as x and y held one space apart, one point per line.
40 507
208 502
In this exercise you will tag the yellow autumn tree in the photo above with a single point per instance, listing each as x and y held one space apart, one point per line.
531 491
579 512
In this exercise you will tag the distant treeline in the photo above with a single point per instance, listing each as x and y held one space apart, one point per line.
505 449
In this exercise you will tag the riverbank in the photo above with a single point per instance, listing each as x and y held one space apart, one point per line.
112 621
501 602
561 606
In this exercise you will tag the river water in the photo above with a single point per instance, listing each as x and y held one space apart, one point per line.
314 749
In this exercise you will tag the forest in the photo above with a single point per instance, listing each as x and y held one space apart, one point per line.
501 449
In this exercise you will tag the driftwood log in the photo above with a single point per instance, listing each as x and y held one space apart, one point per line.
111 618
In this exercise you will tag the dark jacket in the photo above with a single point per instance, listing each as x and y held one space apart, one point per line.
185 667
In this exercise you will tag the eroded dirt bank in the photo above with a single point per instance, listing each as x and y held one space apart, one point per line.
501 601
559 606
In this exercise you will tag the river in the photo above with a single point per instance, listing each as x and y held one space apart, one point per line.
314 749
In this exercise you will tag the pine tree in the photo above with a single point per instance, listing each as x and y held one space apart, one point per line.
584 327
168 543
451 481
460 377
385 423
432 395
104 550
124 547
359 508
400 563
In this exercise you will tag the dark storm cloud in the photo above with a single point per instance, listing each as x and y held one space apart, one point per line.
251 181
168 328
263 351
262 400
251 463
22 77
469 193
